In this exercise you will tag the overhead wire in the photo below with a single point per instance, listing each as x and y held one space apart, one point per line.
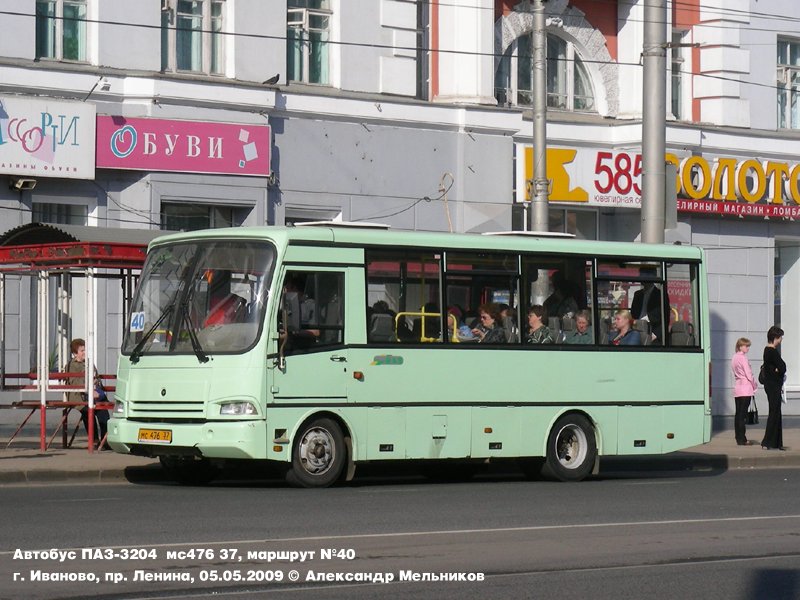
688 7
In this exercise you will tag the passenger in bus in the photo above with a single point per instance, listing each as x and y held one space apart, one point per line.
651 304
490 330
626 334
581 334
538 332
562 302
78 365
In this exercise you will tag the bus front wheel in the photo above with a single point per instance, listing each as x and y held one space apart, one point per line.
319 455
571 448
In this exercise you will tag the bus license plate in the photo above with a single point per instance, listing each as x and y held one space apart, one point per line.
159 436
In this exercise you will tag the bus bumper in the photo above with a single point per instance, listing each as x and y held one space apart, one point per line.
218 439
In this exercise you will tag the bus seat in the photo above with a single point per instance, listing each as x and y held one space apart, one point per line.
332 321
554 324
381 328
681 334
567 327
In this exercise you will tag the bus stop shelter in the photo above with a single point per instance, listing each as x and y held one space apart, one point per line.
51 258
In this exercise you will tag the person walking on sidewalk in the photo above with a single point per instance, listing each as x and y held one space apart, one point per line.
744 388
774 374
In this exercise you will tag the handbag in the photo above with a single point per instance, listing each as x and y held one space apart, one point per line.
752 412
101 393
761 379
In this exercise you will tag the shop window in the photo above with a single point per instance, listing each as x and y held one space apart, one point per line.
61 30
182 216
785 315
192 36
788 84
308 30
569 86
580 223
63 214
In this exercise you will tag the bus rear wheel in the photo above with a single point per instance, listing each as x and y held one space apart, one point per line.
571 448
319 454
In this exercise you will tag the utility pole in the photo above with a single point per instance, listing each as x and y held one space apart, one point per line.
538 218
654 108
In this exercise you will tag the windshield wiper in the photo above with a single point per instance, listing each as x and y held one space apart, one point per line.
198 349
138 350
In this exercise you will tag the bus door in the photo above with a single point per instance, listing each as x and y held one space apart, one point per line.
310 365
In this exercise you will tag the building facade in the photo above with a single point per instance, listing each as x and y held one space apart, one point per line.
184 114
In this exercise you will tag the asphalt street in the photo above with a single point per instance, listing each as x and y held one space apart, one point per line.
714 534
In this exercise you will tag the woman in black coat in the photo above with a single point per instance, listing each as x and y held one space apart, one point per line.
774 373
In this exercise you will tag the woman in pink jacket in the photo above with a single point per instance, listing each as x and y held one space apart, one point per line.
744 387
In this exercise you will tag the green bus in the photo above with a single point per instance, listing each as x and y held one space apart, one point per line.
322 347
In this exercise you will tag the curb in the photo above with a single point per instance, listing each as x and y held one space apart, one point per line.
135 474
697 462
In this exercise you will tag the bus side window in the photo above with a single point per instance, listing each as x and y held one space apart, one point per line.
313 305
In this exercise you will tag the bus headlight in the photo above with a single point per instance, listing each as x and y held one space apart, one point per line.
119 407
238 408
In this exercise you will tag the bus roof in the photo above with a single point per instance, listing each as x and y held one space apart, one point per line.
349 236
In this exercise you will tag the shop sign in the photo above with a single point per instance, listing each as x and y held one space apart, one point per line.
46 138
711 185
183 146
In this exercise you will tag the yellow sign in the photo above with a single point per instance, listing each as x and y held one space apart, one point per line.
605 177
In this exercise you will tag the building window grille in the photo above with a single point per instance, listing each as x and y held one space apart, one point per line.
61 30
60 214
308 30
193 36
184 216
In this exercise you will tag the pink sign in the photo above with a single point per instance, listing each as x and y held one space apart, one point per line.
183 146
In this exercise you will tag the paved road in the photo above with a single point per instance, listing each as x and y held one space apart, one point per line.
732 534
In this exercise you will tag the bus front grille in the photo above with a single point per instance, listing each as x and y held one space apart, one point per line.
161 408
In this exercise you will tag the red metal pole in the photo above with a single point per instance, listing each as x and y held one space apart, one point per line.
91 427
43 427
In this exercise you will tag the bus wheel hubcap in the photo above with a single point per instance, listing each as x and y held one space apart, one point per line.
571 446
316 451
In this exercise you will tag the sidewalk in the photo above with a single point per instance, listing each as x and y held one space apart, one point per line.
24 463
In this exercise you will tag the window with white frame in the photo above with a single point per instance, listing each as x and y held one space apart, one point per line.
569 86
308 31
788 84
677 75
192 36
61 30
185 216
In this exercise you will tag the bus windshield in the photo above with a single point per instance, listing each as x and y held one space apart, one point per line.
200 298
